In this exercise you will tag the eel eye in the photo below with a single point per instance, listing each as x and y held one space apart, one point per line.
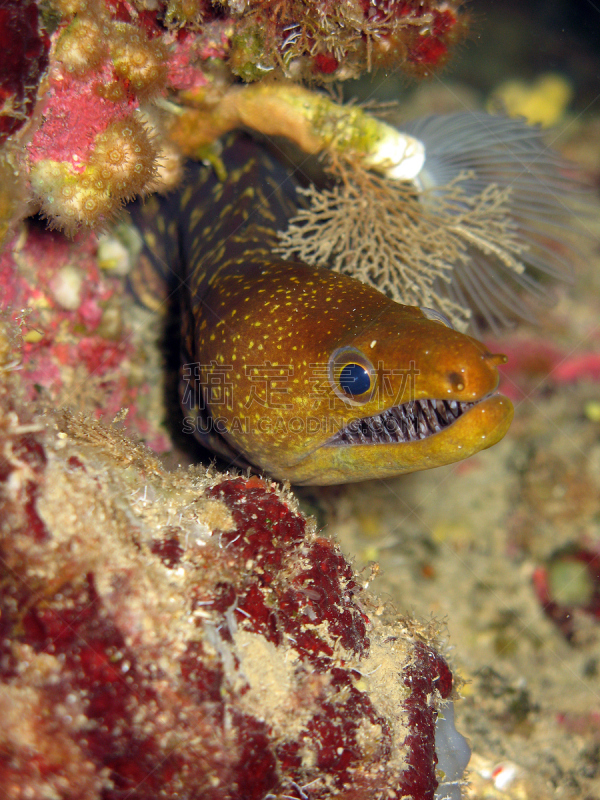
431 313
354 379
351 375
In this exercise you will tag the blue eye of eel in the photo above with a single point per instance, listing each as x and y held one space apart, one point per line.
354 380
302 373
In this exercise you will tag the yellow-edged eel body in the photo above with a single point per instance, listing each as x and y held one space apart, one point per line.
305 374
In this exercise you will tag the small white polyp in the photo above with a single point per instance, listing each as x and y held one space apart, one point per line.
453 752
397 155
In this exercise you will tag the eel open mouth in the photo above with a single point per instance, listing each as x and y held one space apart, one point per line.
409 422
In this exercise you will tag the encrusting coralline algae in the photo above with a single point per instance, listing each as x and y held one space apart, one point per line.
190 631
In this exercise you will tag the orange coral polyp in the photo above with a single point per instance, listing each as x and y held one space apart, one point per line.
81 47
120 165
70 7
125 155
184 12
68 198
138 60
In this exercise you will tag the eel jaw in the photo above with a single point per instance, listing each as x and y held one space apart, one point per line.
409 422
478 426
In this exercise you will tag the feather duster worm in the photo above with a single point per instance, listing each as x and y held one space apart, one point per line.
539 190
475 230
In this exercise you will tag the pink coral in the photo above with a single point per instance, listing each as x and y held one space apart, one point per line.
76 348
75 115
533 364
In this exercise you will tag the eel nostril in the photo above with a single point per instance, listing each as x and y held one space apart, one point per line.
456 381
495 359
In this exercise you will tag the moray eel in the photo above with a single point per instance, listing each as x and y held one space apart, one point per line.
302 373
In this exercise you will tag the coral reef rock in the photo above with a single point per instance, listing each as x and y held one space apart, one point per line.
188 633
90 88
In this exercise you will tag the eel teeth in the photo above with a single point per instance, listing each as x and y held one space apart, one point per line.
409 422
